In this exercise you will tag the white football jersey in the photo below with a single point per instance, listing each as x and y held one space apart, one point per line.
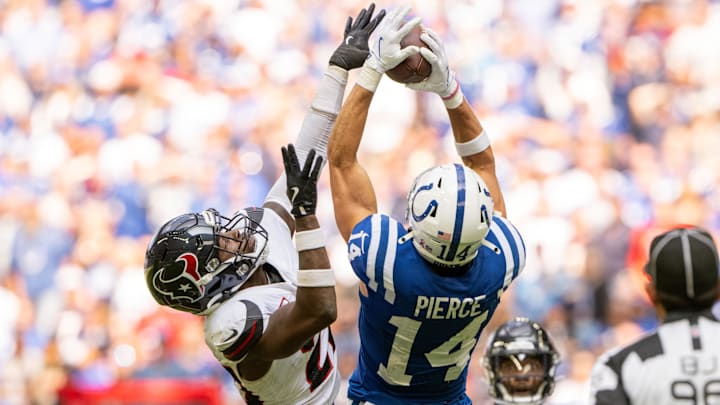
309 376
281 250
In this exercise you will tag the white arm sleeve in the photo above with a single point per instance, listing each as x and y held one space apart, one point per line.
316 126
278 193
319 121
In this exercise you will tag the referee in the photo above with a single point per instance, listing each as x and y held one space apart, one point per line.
680 362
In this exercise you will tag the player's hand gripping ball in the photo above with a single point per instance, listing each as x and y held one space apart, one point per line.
414 68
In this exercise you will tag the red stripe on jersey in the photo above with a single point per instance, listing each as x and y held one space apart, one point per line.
247 340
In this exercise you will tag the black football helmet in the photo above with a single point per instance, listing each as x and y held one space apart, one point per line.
520 361
182 265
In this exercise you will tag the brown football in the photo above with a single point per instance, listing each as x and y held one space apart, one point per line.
415 68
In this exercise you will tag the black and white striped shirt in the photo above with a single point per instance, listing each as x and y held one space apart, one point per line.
677 364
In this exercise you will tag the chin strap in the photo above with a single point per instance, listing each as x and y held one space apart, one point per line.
491 245
406 237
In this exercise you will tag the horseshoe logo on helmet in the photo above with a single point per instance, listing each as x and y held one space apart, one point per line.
431 207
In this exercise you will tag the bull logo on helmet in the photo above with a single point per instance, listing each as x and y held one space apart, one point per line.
185 285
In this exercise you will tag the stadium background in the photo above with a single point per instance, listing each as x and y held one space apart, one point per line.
117 114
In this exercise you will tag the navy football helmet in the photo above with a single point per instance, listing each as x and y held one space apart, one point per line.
196 261
520 361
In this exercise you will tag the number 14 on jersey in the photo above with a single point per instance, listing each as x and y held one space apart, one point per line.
395 371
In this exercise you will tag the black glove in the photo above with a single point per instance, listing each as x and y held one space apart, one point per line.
354 50
301 186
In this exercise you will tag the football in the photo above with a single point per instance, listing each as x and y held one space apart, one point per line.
415 68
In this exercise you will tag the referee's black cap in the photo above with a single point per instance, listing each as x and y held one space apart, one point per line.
683 264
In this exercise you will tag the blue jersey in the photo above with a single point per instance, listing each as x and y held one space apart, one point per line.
418 328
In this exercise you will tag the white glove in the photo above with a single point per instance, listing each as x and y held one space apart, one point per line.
385 50
442 78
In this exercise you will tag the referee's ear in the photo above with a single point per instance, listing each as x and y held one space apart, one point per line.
651 292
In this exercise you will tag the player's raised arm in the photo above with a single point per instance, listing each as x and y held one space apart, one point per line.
314 309
471 140
352 191
319 121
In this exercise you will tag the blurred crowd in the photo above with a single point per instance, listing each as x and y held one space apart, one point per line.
116 115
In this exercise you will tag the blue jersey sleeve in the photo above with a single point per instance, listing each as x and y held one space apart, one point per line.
507 238
358 247
372 248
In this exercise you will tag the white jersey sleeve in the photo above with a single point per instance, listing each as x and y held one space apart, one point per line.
309 376
282 254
